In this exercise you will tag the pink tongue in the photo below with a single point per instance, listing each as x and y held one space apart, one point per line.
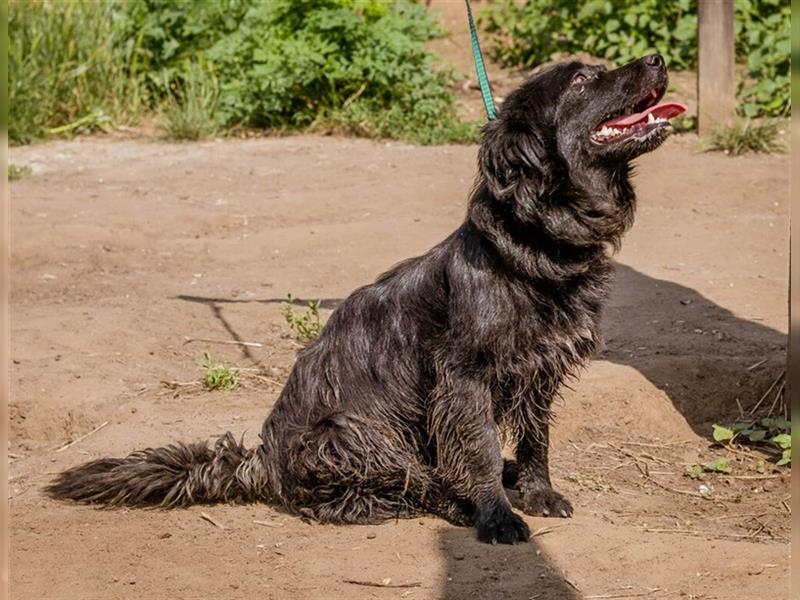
667 110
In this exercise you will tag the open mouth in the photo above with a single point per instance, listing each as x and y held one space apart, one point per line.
638 120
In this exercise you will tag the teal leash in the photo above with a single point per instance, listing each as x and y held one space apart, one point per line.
480 68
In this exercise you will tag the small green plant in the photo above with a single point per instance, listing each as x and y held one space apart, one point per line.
718 466
306 326
684 123
18 172
191 111
219 376
741 137
770 432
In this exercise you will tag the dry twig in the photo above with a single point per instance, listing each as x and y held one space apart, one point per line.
755 477
265 378
174 385
187 340
212 520
413 584
774 383
83 437
268 524
623 595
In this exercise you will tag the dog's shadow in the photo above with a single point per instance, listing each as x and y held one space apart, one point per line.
475 570
711 363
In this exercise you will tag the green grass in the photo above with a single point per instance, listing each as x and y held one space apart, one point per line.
742 137
66 71
190 114
18 172
219 376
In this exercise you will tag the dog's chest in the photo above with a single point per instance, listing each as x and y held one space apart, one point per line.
548 338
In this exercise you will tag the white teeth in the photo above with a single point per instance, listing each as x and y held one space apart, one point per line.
606 131
611 132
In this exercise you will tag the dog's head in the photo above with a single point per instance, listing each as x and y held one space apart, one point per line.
577 117
614 115
557 154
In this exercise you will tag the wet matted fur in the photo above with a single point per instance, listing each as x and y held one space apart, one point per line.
401 404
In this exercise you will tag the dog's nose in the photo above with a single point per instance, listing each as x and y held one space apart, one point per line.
654 60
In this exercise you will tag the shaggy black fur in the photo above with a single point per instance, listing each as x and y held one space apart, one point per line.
401 405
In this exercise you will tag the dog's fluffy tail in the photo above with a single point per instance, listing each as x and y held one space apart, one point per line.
175 475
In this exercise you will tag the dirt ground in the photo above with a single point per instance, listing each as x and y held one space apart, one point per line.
126 250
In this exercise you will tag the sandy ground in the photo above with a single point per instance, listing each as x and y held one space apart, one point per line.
123 249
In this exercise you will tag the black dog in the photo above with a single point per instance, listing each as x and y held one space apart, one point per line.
401 404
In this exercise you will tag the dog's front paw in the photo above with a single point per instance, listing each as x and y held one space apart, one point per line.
545 502
499 524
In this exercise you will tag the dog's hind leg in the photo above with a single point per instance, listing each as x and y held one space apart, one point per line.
349 469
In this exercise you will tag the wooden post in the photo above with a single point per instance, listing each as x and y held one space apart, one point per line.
716 102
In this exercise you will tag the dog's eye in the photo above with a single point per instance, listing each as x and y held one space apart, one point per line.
579 78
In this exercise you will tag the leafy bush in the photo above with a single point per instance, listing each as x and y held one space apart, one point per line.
540 30
764 44
534 32
327 63
171 36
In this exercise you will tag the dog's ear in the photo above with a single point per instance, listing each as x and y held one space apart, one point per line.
512 160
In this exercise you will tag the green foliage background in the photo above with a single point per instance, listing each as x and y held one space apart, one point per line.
527 34
357 65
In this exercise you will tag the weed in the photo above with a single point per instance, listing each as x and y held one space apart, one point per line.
190 113
18 172
746 136
718 466
219 376
769 432
306 326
